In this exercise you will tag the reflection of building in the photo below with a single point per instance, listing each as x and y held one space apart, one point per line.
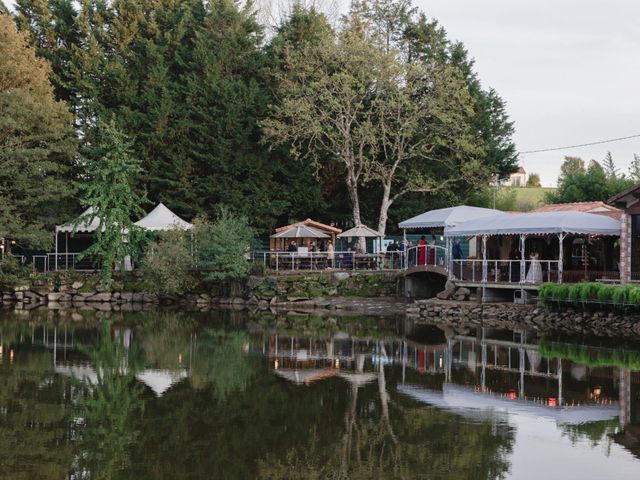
629 437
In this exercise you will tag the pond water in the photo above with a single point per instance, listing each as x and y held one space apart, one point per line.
233 395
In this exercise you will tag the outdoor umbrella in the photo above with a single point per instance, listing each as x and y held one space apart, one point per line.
300 231
361 231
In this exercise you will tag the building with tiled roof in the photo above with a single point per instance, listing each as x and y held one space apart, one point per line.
598 208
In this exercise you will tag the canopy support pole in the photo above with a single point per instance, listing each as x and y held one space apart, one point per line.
484 259
561 237
484 268
66 250
56 257
523 265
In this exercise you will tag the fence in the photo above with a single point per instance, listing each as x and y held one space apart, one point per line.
505 271
341 260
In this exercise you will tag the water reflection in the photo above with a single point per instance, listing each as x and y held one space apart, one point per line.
219 395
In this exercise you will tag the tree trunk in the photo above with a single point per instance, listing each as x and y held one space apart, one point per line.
385 204
352 188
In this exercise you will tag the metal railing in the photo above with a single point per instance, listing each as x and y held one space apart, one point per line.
505 271
340 260
434 255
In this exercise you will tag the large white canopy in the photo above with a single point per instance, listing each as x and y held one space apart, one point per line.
161 218
538 223
89 223
447 217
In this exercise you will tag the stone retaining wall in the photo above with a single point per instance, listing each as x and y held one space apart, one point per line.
313 290
529 317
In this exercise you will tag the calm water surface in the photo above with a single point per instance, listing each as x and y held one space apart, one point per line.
228 395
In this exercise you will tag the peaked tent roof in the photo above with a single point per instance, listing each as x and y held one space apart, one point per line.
161 218
84 225
300 231
311 223
538 223
360 231
447 217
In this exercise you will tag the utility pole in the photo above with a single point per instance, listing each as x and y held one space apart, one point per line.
495 189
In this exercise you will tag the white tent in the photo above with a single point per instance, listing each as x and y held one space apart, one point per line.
89 223
538 223
161 218
447 217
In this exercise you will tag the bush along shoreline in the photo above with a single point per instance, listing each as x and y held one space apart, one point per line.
590 296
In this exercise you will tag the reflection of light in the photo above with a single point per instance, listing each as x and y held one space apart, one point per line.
180 358
275 364
0 351
440 362
337 363
511 395
553 402
597 391
11 355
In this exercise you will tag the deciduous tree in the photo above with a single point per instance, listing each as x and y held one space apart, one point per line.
37 143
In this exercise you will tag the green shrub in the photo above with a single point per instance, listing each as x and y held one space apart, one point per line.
12 272
223 246
167 266
624 295
605 293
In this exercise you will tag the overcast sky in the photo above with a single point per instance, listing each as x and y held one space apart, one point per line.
568 70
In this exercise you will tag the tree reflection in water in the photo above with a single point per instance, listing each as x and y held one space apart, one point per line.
106 412
387 436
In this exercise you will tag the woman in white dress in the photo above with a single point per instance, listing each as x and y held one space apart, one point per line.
534 275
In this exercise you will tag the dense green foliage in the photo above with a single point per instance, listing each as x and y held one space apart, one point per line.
168 264
190 81
37 144
110 196
590 293
222 247
534 180
591 357
583 183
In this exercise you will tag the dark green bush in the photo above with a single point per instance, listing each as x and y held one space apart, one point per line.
590 293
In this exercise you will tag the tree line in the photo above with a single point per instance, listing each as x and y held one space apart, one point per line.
367 119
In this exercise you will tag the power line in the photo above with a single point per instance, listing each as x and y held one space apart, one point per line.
611 140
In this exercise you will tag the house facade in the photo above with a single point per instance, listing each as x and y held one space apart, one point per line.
629 202
516 179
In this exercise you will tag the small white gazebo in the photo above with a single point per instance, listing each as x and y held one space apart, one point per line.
161 219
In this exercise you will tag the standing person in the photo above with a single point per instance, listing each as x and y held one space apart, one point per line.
534 275
456 251
292 247
331 254
422 250
432 252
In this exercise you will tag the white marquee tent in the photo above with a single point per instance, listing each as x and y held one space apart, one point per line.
538 223
161 218
448 217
